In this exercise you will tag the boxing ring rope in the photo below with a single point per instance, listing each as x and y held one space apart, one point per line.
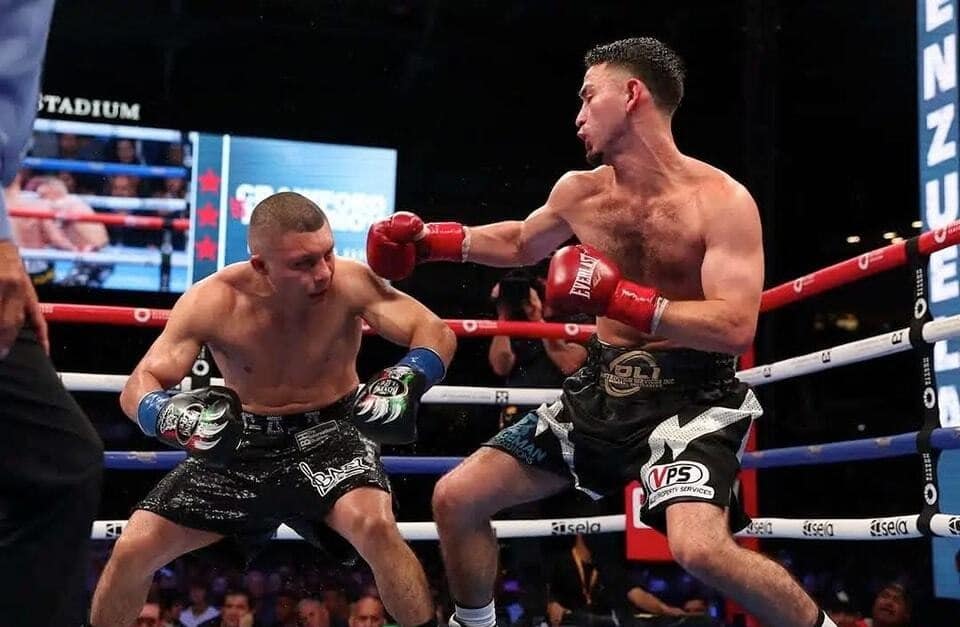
121 203
837 275
93 129
856 268
852 352
147 258
878 528
133 316
132 222
102 168
843 451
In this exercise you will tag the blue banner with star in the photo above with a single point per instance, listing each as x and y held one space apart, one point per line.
354 185
206 219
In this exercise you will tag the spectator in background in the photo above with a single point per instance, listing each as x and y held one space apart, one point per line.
838 607
174 187
199 610
578 590
339 607
174 155
68 180
892 607
648 606
285 609
696 606
236 611
255 583
149 615
125 151
68 146
170 612
367 611
123 186
313 613
523 362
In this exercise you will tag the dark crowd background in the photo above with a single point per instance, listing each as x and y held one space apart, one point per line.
811 103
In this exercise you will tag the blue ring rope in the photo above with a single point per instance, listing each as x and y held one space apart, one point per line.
100 168
846 451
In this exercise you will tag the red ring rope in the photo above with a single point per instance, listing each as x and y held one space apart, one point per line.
133 222
853 270
842 273
142 316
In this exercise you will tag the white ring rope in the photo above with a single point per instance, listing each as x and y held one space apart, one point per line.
146 258
71 127
870 348
123 204
466 395
880 528
135 204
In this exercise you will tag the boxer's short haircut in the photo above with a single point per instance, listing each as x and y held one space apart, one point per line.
284 212
650 60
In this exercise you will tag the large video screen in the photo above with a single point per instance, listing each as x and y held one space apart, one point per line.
133 208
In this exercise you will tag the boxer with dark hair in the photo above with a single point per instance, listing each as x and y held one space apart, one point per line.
671 262
281 441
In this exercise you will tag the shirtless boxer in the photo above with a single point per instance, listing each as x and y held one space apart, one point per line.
672 261
42 233
277 444
84 236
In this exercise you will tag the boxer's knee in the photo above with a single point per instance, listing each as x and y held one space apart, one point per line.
701 554
370 534
458 500
134 556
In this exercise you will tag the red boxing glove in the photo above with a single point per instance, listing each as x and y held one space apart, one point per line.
581 279
397 244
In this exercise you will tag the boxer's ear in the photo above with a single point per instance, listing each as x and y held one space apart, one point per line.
258 264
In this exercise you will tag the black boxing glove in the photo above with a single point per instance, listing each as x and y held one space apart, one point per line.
386 408
204 422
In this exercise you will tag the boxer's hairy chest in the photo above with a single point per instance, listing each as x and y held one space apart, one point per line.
657 242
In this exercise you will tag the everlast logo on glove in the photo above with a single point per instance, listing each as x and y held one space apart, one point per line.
583 283
886 528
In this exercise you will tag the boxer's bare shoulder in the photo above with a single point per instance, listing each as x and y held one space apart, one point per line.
577 191
716 191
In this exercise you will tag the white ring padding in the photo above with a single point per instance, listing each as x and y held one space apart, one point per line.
870 348
146 258
71 127
880 528
460 394
124 204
